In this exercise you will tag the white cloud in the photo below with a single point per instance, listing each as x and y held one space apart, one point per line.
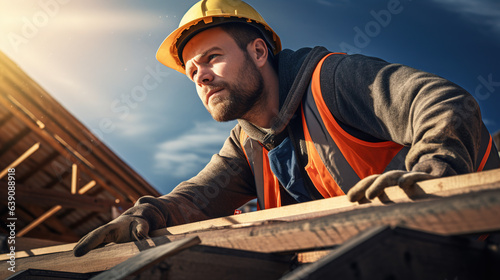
187 154
485 12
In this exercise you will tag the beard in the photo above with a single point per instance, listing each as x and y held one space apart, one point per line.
242 95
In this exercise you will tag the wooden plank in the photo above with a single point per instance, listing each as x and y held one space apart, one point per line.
39 274
213 263
398 253
460 214
98 260
147 259
24 253
28 243
198 262
426 189
367 213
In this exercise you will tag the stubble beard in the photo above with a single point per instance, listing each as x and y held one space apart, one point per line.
242 95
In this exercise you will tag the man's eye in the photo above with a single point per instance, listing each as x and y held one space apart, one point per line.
194 74
212 56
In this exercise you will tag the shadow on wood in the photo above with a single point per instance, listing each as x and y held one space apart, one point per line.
399 253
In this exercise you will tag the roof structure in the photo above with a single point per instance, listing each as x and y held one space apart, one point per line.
64 181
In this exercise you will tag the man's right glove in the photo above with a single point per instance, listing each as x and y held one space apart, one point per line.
125 228
134 224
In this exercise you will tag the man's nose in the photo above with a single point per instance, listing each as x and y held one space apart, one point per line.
204 77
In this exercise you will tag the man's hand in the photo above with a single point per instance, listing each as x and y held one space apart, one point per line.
373 186
125 228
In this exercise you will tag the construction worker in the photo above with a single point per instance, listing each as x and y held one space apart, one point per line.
312 124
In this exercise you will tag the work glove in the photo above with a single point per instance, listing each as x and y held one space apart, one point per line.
374 185
133 225
125 228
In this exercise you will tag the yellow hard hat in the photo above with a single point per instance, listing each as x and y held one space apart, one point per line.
209 13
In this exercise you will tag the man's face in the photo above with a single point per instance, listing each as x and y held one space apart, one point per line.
227 80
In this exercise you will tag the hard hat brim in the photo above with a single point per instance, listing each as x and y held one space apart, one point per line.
168 54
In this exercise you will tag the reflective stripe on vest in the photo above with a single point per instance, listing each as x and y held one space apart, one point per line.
267 185
336 159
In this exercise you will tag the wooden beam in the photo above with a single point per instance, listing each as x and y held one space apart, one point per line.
20 159
426 189
28 243
52 229
74 178
56 208
49 274
18 104
44 197
456 215
473 212
197 262
433 189
399 253
87 187
213 263
147 259
39 220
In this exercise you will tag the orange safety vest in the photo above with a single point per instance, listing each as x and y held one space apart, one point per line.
336 159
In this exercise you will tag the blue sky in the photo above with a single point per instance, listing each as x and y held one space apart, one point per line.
97 58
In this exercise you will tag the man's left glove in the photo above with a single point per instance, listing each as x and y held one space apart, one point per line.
373 186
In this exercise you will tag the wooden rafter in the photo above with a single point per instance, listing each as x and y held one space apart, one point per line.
76 140
51 229
47 137
46 198
20 159
73 201
74 178
39 220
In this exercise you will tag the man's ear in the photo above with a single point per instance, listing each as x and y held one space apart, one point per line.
258 51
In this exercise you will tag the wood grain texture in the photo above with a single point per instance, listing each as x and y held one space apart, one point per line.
147 259
448 211
426 189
